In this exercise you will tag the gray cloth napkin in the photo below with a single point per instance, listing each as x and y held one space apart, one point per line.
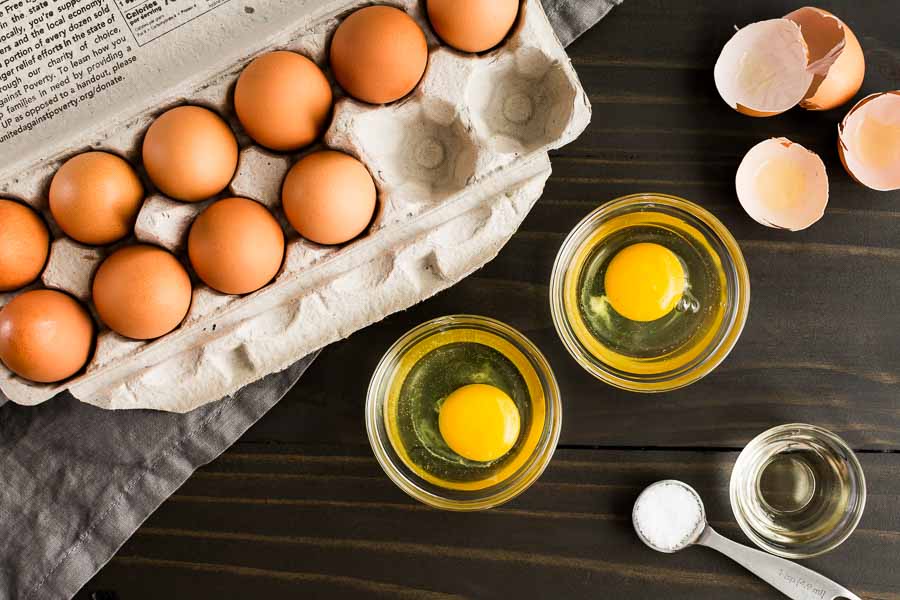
77 481
571 18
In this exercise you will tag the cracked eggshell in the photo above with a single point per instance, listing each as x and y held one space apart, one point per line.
782 185
762 70
835 56
869 141
809 57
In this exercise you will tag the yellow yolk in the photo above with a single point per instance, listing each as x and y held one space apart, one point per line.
644 282
780 183
479 422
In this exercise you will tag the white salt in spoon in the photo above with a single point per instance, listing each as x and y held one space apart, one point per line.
669 516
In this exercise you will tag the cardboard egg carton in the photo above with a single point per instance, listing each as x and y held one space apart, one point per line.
458 165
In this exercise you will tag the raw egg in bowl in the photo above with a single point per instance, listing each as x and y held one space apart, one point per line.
649 293
463 413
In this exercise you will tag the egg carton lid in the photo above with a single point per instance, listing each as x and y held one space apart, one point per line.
495 115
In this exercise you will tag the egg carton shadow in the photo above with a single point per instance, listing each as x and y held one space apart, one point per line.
458 165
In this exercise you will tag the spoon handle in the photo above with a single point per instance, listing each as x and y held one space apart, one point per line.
789 578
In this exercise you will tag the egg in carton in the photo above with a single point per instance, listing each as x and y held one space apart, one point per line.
458 164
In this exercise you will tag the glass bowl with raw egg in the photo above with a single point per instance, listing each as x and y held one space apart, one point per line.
649 292
463 413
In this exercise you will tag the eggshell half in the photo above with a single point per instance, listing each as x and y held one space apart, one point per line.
835 56
869 141
24 245
762 70
782 185
45 336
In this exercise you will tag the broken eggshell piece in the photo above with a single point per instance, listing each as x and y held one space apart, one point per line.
782 185
809 57
869 141
762 70
835 57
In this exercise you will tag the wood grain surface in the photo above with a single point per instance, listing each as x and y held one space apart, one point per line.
299 508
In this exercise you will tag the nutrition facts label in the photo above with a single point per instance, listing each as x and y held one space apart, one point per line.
150 19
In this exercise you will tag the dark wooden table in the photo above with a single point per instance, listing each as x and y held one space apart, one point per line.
299 507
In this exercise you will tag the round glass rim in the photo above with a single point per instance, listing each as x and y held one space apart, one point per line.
730 330
461 500
775 433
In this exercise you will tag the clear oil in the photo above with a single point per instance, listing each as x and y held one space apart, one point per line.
803 494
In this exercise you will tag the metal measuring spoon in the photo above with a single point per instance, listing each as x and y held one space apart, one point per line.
787 577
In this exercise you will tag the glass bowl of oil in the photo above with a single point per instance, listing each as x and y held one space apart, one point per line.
649 292
463 413
797 491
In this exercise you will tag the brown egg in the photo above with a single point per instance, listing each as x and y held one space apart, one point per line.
142 292
283 100
190 153
24 245
378 54
472 25
95 198
45 336
236 246
329 197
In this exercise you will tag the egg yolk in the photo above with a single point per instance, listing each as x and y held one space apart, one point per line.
479 422
644 282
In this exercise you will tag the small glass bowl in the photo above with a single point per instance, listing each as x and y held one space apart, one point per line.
461 499
842 483
717 344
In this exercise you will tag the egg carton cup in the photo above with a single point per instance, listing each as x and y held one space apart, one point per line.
458 165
